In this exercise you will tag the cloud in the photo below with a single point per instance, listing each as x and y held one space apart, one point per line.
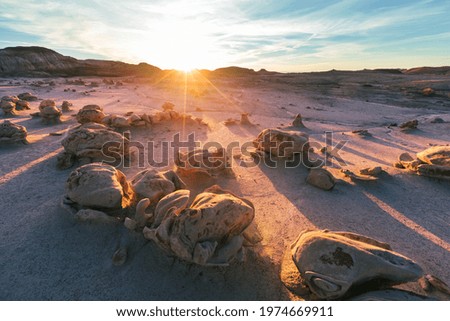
217 33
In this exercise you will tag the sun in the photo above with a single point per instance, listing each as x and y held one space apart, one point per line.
187 68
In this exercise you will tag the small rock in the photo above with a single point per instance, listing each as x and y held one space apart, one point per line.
321 178
372 171
65 107
409 125
298 121
244 119
437 120
362 132
120 256
428 92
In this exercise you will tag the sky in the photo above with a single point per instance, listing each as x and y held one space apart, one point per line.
281 35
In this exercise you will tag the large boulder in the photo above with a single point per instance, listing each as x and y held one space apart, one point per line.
90 113
100 187
50 114
10 132
92 144
282 143
330 263
211 231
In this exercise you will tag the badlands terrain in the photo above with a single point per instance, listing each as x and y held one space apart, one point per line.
47 255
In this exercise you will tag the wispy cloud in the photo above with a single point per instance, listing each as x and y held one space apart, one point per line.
214 33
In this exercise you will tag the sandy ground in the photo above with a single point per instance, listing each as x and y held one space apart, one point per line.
46 255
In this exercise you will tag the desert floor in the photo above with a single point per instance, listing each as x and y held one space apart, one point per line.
47 255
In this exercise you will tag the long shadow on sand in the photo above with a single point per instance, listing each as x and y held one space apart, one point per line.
410 213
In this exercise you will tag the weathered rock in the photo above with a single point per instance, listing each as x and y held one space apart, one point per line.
321 178
361 133
10 132
133 118
409 125
168 106
27 96
176 202
371 171
46 103
216 163
65 107
209 232
428 92
436 155
298 121
116 121
330 263
432 162
155 185
13 99
22 105
435 286
8 107
437 120
99 187
120 256
244 119
282 143
90 113
93 145
50 114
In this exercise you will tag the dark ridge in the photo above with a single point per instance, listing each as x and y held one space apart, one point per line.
42 62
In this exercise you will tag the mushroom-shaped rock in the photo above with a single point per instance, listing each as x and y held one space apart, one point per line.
209 232
330 263
46 103
50 114
22 105
10 132
27 96
213 163
100 187
154 185
90 145
321 178
282 143
90 113
8 107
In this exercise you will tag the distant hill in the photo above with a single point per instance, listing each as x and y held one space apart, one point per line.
42 62
39 61
429 70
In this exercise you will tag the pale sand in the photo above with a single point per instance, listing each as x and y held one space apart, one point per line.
46 255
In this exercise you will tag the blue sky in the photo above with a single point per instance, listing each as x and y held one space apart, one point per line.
283 35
